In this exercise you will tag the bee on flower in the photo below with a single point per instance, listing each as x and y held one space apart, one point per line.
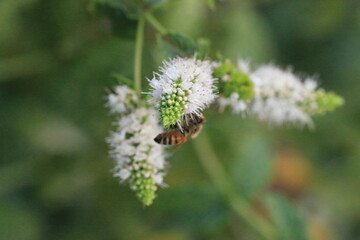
183 86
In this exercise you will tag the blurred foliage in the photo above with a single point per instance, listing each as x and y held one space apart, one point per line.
55 61
290 223
176 44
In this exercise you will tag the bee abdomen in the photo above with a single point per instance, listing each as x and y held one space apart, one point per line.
158 138
169 138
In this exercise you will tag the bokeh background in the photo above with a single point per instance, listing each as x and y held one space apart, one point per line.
55 65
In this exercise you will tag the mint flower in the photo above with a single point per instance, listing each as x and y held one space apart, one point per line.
281 97
122 100
272 95
183 86
139 161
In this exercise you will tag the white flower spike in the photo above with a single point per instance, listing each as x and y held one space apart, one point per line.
122 100
183 86
281 97
138 159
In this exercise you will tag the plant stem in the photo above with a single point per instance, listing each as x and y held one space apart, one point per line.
138 53
239 204
155 23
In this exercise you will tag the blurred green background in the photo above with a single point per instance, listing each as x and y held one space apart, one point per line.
55 180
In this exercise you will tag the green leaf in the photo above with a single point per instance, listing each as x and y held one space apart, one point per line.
183 43
252 167
290 222
156 3
122 21
178 44
211 4
203 48
129 7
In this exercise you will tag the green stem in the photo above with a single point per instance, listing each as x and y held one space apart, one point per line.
155 23
138 53
239 204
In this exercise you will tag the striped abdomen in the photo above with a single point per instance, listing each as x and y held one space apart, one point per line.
171 138
189 129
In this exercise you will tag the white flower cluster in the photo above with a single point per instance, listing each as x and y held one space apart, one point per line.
281 97
183 86
234 102
139 160
132 145
122 100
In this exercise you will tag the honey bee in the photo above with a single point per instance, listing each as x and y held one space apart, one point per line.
190 128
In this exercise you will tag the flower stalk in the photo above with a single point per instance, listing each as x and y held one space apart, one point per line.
155 23
240 205
138 53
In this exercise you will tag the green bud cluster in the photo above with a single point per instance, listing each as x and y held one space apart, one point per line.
233 81
325 102
172 105
142 182
224 69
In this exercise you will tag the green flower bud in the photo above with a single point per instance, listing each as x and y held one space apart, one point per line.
143 184
325 102
172 108
233 81
223 69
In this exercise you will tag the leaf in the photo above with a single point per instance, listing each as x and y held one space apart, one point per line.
121 20
290 222
156 3
203 48
252 167
166 47
211 4
129 7
178 44
182 43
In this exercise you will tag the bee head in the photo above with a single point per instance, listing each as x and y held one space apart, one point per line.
199 119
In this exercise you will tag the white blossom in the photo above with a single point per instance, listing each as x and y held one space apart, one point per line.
234 102
139 160
133 143
183 86
122 100
281 97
